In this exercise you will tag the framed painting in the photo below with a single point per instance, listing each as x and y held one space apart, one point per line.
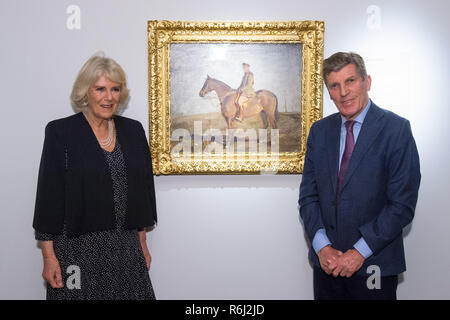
233 97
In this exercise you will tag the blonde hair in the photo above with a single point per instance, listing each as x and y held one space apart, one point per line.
96 67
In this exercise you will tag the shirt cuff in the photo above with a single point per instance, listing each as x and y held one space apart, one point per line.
320 240
363 248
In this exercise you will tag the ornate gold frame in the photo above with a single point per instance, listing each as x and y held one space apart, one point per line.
162 33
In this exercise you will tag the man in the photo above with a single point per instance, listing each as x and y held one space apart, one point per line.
359 189
245 91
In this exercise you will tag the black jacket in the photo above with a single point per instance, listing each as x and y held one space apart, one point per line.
75 186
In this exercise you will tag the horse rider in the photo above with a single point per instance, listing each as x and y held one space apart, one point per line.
245 91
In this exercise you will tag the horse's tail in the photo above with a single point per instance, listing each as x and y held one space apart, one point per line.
276 108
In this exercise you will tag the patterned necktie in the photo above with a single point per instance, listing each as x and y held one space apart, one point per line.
349 146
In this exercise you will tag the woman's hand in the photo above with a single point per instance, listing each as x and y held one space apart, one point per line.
52 272
145 251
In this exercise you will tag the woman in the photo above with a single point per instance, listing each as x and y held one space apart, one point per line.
95 195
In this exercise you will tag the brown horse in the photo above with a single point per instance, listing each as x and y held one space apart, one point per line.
267 100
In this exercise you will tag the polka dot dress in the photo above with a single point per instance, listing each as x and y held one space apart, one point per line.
111 263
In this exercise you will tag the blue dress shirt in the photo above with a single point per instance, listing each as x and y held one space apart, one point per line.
320 238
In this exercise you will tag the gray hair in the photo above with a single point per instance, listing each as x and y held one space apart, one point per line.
96 67
339 60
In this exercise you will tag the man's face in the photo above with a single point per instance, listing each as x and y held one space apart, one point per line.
246 68
348 91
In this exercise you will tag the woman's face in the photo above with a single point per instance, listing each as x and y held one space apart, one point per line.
103 98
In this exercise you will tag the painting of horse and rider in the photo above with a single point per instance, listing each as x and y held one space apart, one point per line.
204 88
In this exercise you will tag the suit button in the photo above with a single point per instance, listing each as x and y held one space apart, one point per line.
331 227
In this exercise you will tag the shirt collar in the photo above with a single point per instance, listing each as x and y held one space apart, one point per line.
360 118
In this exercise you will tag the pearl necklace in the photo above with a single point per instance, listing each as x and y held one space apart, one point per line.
105 143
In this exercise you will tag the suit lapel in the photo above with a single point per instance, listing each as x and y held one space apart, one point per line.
334 133
369 131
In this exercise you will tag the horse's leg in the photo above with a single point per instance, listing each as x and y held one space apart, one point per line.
263 116
269 108
273 121
225 113
229 123
274 110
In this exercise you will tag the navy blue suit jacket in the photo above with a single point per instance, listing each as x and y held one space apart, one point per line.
379 192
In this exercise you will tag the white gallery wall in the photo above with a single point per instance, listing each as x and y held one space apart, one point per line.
222 237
